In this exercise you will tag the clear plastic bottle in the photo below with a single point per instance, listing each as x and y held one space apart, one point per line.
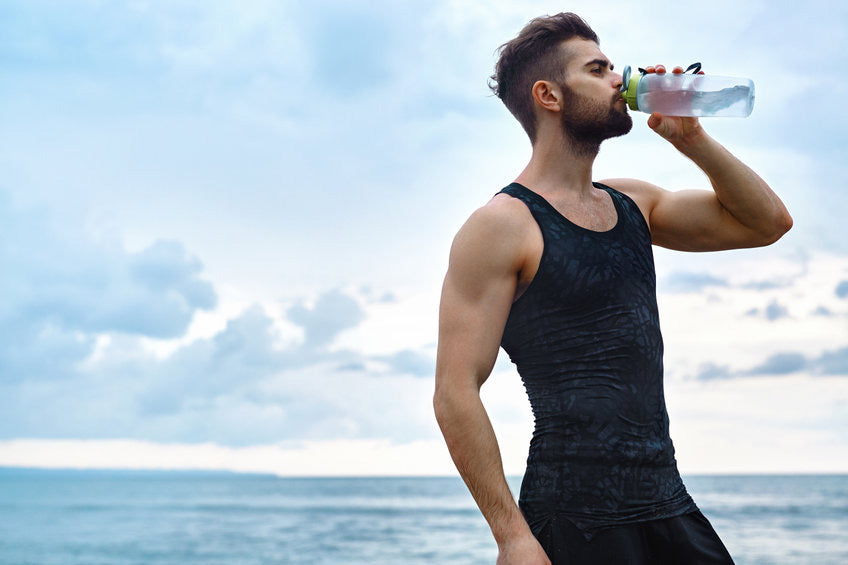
678 94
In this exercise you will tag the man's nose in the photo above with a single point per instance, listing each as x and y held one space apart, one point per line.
617 80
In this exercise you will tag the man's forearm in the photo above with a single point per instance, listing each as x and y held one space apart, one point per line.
474 449
746 196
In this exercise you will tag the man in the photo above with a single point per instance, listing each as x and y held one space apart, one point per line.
559 271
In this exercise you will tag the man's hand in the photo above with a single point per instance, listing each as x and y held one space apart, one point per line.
675 129
524 550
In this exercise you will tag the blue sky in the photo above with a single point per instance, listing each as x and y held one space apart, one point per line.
225 225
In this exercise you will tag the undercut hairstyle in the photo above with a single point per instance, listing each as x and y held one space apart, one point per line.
535 54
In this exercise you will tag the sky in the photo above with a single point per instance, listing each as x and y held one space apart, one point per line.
224 227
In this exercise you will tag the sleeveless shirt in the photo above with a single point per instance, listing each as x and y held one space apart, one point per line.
585 338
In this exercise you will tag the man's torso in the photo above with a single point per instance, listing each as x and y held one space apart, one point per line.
585 336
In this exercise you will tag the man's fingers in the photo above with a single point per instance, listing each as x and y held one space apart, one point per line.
672 128
655 120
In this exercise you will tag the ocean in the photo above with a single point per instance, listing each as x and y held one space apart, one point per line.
156 518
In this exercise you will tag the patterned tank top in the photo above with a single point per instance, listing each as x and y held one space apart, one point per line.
585 338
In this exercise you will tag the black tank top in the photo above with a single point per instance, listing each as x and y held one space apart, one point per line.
586 340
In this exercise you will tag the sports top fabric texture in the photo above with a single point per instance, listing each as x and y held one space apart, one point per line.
585 338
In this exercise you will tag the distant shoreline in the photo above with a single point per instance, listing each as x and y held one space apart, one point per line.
11 469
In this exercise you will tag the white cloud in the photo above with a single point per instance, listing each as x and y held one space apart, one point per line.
313 458
331 314
62 289
768 305
769 424
239 385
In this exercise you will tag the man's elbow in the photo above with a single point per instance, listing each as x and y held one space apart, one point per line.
450 400
782 223
441 401
438 404
786 223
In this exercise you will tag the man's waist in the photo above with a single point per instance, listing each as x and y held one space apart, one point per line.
602 446
590 517
607 489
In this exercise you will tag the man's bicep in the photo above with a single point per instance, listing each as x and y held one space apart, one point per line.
695 220
470 329
476 298
684 220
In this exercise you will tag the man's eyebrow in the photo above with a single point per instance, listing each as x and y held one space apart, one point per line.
601 62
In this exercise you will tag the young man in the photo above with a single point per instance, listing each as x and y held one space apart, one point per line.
559 271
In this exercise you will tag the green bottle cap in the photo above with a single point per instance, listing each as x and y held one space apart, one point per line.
629 93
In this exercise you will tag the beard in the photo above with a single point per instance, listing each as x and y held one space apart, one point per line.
587 122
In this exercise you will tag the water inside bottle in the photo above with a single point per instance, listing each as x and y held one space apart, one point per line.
732 101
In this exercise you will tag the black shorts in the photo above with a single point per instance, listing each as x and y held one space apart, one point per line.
683 540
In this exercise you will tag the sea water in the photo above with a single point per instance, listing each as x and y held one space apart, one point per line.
157 518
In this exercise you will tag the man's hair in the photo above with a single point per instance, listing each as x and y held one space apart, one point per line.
535 54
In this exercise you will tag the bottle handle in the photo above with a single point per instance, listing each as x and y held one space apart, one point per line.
694 67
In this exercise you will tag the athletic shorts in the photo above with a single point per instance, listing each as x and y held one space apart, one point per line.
683 540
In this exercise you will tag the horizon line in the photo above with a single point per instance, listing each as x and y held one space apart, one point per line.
213 471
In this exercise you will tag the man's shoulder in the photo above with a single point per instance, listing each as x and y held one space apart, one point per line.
643 193
501 226
502 213
630 186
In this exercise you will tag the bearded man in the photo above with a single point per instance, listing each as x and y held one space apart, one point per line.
558 270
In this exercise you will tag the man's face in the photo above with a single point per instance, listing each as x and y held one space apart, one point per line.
594 109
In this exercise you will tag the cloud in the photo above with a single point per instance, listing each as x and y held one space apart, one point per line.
373 298
61 289
827 363
233 359
823 311
78 315
685 281
239 386
32 349
74 361
343 458
331 314
833 362
767 285
166 265
712 371
842 289
781 364
411 362
773 311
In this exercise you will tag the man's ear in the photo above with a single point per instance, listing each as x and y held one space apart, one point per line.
547 95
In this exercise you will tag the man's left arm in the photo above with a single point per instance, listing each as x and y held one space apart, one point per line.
742 210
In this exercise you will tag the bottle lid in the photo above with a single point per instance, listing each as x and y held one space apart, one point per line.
629 82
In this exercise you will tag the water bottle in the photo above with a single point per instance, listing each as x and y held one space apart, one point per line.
683 94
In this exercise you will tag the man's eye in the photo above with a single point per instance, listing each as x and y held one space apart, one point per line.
597 70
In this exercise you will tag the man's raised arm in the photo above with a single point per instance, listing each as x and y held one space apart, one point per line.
478 291
742 210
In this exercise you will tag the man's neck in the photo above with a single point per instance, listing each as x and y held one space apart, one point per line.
559 166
